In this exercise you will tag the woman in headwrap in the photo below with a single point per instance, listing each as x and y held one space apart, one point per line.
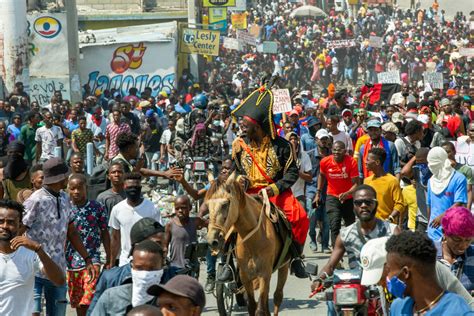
16 175
446 188
456 250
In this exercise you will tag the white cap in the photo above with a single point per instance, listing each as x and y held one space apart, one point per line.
423 118
372 259
322 133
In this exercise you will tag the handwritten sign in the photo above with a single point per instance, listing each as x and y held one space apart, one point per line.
389 77
465 153
281 101
340 43
375 41
465 51
239 21
435 79
246 38
232 43
42 89
270 47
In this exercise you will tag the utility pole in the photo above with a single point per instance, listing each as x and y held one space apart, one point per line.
14 51
73 50
193 58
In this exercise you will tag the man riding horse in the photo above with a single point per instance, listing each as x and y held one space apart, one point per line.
265 161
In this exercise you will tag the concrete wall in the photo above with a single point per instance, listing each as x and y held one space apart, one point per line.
129 5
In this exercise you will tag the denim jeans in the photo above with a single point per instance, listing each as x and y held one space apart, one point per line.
55 296
211 264
318 215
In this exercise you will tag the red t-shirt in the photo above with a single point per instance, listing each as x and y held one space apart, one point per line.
339 175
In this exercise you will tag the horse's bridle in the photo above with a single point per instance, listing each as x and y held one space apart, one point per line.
227 229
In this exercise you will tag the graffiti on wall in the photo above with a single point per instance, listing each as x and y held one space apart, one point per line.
124 66
42 89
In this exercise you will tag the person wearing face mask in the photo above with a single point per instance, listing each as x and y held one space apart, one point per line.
48 220
373 258
15 176
146 270
446 188
127 213
411 278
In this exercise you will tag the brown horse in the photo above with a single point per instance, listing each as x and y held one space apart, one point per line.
258 246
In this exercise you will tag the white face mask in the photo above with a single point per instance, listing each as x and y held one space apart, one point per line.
141 281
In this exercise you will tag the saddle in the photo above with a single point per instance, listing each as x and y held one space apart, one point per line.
283 229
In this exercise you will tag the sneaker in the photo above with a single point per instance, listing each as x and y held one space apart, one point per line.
313 246
297 268
210 283
225 275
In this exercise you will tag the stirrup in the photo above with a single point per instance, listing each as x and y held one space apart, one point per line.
297 268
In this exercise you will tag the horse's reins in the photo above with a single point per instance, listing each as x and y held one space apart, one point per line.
265 209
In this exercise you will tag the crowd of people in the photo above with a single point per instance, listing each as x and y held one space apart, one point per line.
375 179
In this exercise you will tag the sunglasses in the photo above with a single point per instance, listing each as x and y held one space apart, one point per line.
366 202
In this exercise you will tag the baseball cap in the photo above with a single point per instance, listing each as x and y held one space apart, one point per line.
322 133
372 258
425 119
346 112
294 112
55 170
311 121
144 228
425 109
390 127
397 117
444 102
181 285
374 123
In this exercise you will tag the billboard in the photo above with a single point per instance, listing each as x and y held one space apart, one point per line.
204 42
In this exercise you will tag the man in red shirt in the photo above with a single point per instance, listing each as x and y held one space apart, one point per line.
341 173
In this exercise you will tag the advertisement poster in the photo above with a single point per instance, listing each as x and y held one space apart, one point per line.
204 42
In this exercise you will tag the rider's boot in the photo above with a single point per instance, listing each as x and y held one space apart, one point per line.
297 266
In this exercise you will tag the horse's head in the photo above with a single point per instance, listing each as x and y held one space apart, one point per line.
224 199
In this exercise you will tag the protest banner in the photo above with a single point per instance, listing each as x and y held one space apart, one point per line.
270 47
435 79
340 43
239 21
218 19
218 3
240 5
245 38
375 41
389 77
465 51
281 101
195 41
232 43
254 30
464 153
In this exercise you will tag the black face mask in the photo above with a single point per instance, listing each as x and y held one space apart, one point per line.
133 193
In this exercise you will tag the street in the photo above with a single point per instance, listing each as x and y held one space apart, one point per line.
296 292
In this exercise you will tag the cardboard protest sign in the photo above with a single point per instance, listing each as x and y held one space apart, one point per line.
246 38
435 79
389 77
375 41
281 101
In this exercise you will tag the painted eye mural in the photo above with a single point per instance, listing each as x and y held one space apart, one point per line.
47 26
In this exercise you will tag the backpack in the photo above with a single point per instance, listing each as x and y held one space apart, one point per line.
98 181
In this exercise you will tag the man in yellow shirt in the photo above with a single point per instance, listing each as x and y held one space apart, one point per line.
389 193
409 196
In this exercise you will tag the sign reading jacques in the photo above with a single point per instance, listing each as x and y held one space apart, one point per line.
204 42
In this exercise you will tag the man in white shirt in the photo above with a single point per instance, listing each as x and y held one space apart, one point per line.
47 138
338 135
127 213
305 168
20 259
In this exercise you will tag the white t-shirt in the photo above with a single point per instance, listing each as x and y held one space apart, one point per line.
122 218
345 138
49 139
298 187
17 280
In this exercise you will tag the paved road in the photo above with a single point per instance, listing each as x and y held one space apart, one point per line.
296 293
449 6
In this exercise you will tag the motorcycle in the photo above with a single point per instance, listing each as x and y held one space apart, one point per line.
350 298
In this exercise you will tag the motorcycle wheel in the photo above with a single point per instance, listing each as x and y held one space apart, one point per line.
224 297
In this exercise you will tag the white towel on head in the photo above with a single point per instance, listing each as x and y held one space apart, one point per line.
440 167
